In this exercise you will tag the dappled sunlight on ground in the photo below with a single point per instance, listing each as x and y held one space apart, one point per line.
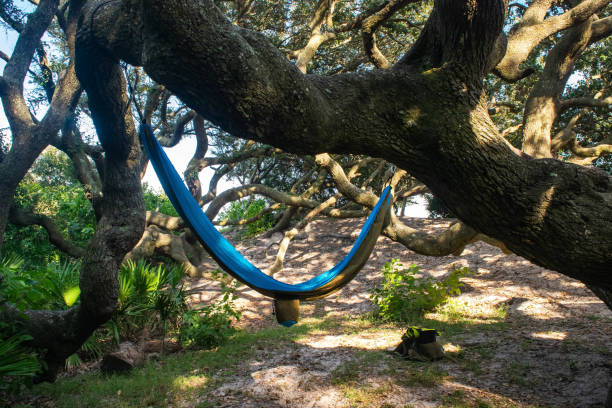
518 334
550 335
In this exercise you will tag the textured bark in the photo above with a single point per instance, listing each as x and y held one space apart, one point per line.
553 211
543 105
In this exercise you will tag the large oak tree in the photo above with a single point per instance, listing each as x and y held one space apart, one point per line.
428 113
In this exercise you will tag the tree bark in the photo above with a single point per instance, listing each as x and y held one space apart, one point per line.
120 226
549 212
543 105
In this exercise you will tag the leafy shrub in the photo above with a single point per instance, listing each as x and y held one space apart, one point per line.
157 202
18 366
242 210
50 188
211 325
53 287
403 295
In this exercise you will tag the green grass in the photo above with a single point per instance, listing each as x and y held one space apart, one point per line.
465 399
518 373
169 381
187 378
421 374
367 395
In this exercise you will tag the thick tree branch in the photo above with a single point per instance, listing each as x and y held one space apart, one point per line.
542 106
587 155
534 27
24 218
237 193
602 28
29 38
239 81
170 138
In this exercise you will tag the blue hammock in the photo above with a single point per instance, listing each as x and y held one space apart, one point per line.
287 296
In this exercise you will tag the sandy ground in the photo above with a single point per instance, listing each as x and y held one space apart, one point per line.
555 351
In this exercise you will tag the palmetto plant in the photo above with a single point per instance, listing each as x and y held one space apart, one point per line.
55 286
149 296
15 361
63 283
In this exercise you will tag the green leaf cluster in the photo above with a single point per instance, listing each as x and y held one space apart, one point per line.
404 295
51 287
242 210
18 365
157 202
210 326
150 297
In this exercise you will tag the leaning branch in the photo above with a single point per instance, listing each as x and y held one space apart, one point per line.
586 102
535 27
23 218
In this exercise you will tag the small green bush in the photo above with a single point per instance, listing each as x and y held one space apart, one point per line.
157 202
403 295
211 325
242 210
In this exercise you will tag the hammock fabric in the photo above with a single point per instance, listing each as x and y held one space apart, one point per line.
287 296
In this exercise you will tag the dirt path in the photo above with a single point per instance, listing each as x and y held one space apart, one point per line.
521 335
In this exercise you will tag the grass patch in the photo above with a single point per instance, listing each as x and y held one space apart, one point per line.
171 381
518 373
411 373
364 363
465 399
456 311
367 395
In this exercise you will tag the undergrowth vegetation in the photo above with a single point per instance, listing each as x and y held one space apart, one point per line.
363 377
404 294
151 303
211 325
246 209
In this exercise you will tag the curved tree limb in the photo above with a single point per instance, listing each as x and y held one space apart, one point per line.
311 114
543 104
236 193
24 218
452 241
534 27
585 102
